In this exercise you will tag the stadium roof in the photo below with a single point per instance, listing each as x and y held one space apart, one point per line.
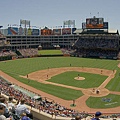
112 31
78 31
96 31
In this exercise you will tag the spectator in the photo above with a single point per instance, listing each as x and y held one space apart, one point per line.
21 108
78 117
24 117
2 103
97 115
2 117
11 105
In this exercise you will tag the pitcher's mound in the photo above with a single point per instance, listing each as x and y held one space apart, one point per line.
79 78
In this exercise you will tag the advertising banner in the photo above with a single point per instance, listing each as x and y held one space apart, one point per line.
73 29
69 23
12 31
66 31
84 25
35 31
29 31
56 31
105 25
21 31
25 31
25 22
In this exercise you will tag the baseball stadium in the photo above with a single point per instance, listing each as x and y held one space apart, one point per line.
62 72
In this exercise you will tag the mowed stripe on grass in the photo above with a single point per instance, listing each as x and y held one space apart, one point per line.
25 66
67 78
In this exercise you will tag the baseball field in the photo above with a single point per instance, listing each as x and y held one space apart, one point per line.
65 79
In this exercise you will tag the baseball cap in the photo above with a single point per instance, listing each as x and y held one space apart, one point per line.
98 113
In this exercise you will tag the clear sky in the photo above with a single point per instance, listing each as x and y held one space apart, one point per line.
52 13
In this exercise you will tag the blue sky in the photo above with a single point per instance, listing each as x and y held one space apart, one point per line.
52 13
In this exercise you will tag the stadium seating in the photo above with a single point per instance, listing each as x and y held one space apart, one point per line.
97 46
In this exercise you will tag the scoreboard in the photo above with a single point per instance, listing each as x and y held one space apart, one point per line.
95 23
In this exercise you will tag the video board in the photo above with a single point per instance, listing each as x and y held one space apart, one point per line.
94 23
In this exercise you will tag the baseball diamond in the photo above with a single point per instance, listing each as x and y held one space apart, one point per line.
74 69
86 92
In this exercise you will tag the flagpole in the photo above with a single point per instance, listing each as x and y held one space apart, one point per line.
98 14
90 14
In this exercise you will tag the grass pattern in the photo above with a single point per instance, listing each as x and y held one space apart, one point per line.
25 66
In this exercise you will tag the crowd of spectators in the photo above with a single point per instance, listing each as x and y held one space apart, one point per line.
28 52
18 109
1 35
97 46
7 53
2 42
96 53
15 107
24 52
67 51
44 104
94 42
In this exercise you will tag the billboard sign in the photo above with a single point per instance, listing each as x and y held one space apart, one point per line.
25 31
83 25
66 31
94 23
73 30
29 31
21 31
25 22
35 31
105 25
12 31
69 23
56 31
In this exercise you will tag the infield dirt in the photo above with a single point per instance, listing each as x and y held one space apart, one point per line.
43 75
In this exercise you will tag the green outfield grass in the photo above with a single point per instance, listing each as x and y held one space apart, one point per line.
50 52
25 66
99 103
